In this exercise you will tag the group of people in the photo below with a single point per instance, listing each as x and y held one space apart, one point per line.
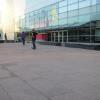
34 33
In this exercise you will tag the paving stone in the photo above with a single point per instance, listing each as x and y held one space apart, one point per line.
4 95
4 74
19 90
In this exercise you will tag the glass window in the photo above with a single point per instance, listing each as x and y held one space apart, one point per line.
98 1
48 8
84 3
97 16
72 1
35 12
31 14
84 35
40 18
63 15
93 2
63 9
98 8
63 21
31 20
84 19
49 13
63 3
54 6
54 14
93 16
93 9
54 11
50 17
84 11
73 6
72 21
73 13
49 21
42 13
55 21
27 19
27 15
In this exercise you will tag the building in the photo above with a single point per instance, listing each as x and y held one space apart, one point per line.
66 21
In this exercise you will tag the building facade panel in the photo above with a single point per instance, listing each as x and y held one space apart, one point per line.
67 21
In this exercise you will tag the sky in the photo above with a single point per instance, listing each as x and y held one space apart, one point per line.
10 10
19 7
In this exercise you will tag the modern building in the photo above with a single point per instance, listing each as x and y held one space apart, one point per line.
66 21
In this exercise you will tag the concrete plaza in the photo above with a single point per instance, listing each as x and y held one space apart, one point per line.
48 73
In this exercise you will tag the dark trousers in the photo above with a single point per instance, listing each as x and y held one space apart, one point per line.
34 45
23 41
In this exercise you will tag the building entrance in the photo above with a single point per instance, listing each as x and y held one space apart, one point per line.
58 36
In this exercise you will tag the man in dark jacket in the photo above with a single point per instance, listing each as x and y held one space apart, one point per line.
34 33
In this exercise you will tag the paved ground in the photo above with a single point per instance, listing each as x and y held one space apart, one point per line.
48 73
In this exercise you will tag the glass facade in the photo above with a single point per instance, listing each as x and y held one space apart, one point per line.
67 21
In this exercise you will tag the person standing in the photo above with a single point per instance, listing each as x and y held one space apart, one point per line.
23 38
34 33
0 36
5 37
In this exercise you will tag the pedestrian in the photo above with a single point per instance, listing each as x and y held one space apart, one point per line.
23 38
34 33
0 35
5 37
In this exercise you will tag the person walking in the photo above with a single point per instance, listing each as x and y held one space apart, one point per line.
34 33
23 38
